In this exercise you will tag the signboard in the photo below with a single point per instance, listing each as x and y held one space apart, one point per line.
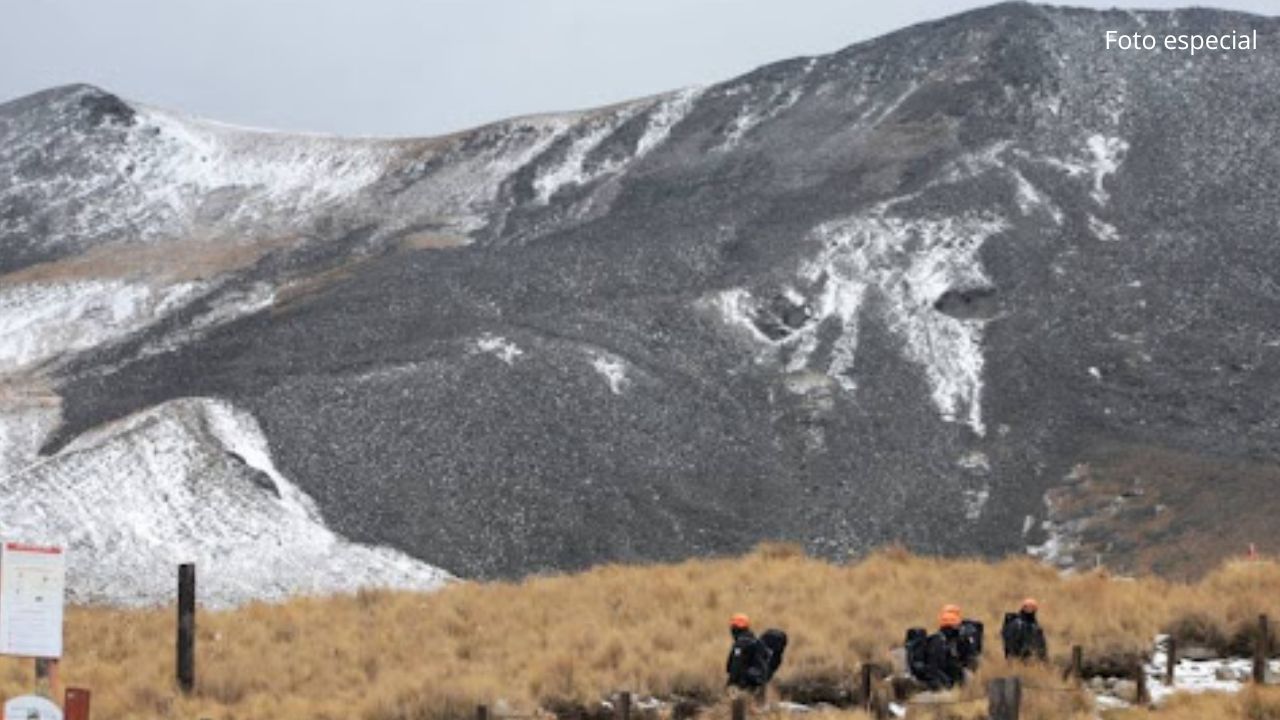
31 707
32 583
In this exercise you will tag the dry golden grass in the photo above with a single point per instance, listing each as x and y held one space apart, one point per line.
1251 704
648 629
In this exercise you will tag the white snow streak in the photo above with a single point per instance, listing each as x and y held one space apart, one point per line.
499 347
909 263
614 371
44 321
190 480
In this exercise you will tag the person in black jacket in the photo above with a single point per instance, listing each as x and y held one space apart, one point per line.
947 655
1022 635
748 662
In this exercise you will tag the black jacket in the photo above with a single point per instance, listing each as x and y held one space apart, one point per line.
748 662
1023 637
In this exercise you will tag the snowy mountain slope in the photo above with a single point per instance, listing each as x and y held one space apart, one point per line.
896 293
191 480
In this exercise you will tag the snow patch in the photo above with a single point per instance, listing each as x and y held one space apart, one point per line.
909 264
613 369
43 322
499 347
975 501
1106 155
1104 231
189 480
976 461
571 171
664 116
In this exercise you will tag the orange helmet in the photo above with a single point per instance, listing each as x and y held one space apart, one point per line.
740 622
949 617
1030 605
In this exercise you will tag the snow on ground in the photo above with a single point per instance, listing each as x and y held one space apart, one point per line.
1104 231
191 480
1106 153
869 253
664 116
572 170
190 158
614 371
499 347
782 96
466 188
223 309
40 322
168 175
975 501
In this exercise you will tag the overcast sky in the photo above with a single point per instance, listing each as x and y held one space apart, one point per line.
425 67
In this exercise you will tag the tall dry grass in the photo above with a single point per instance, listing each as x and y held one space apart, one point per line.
650 629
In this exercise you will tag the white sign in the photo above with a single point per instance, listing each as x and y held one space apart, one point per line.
32 583
31 707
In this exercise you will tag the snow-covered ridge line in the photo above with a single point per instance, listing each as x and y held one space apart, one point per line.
189 480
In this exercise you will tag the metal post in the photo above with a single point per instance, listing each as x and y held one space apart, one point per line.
1172 660
624 705
1077 663
187 627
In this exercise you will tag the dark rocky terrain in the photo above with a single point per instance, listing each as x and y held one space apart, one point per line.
893 294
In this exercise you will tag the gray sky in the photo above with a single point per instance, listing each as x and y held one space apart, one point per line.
425 67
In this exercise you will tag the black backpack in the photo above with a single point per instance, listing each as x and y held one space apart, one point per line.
916 645
1022 639
776 641
749 662
1013 636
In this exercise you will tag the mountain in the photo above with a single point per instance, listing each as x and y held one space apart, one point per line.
977 286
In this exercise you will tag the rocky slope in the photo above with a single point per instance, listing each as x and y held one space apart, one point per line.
896 293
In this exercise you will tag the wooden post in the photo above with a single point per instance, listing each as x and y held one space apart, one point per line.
44 674
76 704
186 627
1077 663
739 708
1261 649
1004 698
1142 697
864 695
482 712
624 705
1171 658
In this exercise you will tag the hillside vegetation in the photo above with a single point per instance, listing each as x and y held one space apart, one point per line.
555 641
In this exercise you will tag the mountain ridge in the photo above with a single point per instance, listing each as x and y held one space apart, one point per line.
897 293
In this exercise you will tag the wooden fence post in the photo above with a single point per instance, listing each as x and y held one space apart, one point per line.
864 686
739 708
1261 649
482 712
186 626
46 670
1077 663
76 704
1171 658
1004 698
624 705
1142 697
